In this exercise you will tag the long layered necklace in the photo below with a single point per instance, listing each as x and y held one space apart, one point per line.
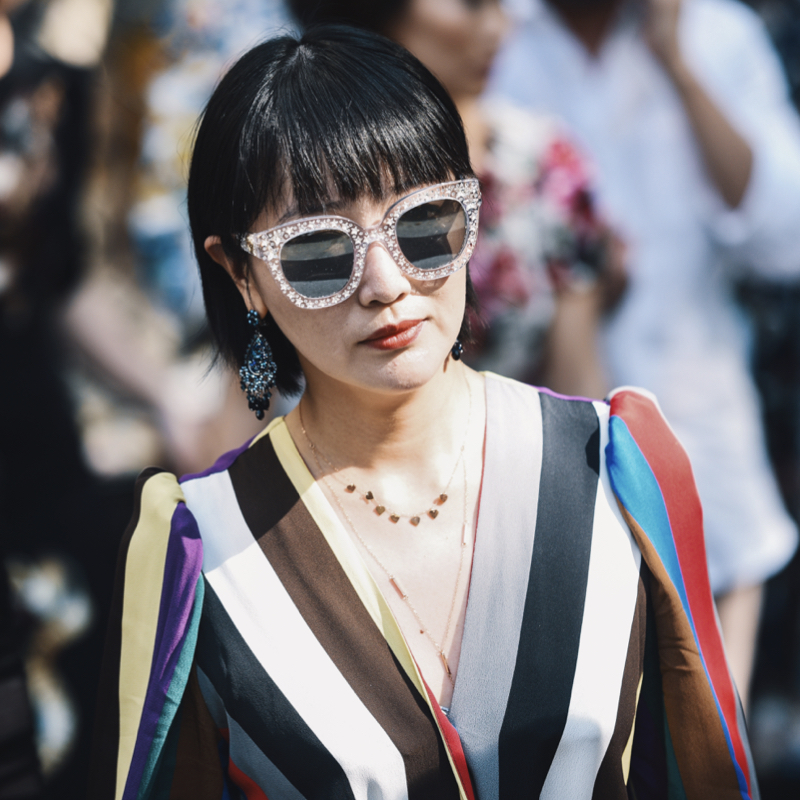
393 581
368 496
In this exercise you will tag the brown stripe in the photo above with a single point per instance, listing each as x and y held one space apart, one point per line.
330 606
198 770
701 751
105 744
610 781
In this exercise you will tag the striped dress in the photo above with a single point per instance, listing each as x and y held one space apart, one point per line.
251 654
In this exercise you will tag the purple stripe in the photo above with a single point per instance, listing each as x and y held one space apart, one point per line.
221 464
181 571
545 390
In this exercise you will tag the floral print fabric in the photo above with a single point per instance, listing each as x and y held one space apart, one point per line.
540 233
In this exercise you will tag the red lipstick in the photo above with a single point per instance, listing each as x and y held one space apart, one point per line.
393 337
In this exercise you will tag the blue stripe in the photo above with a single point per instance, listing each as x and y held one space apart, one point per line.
635 484
636 487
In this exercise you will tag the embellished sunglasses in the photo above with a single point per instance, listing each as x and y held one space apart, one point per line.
318 261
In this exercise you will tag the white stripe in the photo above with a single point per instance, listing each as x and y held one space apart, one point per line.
278 636
611 592
500 572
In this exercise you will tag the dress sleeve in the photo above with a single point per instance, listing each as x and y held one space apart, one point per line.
150 710
689 710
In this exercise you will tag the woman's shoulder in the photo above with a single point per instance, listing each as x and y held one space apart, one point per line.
157 495
637 434
245 489
162 533
652 479
201 488
229 458
504 387
641 438
166 506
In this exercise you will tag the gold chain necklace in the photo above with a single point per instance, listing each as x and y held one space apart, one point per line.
389 574
369 496
395 583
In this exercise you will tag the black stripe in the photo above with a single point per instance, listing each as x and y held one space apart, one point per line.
264 491
551 625
333 611
105 744
253 699
649 776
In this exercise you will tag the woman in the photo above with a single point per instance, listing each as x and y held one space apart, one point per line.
420 582
546 265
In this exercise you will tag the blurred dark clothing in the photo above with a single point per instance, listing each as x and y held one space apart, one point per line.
51 505
20 778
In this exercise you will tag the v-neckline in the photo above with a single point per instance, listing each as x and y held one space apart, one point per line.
348 556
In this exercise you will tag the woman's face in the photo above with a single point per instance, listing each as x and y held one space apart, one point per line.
393 334
455 39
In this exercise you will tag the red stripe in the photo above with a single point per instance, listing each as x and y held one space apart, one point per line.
672 470
252 791
453 743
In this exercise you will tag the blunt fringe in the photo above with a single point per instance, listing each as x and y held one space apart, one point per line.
339 113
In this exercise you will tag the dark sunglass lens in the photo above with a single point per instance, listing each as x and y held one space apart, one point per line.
432 235
318 264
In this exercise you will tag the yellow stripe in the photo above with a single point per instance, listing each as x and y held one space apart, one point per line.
273 424
350 559
626 753
144 574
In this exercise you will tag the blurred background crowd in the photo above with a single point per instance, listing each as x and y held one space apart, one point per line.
640 164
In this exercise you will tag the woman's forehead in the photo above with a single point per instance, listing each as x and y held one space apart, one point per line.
332 200
365 209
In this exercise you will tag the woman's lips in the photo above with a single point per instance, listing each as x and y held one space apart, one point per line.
393 337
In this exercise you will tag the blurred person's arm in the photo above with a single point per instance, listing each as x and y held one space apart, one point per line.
727 155
572 363
728 76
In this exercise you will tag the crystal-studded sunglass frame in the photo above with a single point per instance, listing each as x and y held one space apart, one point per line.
267 245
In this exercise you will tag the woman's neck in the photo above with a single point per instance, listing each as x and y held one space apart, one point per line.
366 430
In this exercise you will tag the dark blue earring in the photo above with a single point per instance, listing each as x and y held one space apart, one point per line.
457 350
259 369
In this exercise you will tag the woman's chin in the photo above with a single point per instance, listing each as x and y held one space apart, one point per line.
404 370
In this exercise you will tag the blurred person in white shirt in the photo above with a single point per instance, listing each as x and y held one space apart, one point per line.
683 106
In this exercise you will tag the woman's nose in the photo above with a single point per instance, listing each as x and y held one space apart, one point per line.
383 281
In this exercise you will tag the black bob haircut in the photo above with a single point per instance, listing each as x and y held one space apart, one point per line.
339 110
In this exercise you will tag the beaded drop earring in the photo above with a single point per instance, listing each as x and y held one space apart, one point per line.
259 369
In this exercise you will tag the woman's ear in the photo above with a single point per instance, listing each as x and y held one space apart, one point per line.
241 277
